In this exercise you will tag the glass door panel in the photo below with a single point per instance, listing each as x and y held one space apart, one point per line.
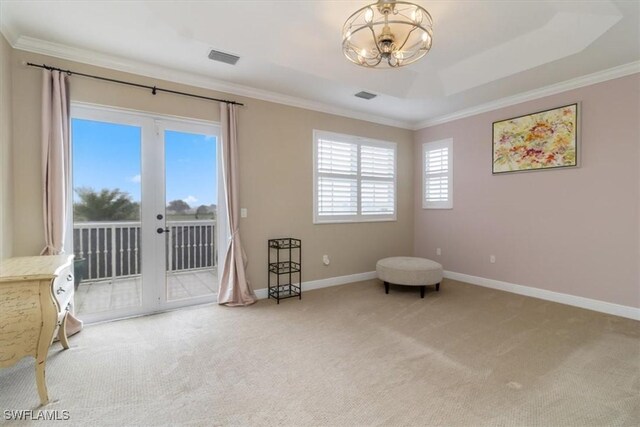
106 216
191 194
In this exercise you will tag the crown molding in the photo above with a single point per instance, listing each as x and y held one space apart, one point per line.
34 45
578 82
9 35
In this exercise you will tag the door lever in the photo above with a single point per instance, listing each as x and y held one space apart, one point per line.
161 230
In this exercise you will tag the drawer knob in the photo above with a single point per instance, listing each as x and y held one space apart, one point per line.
69 277
59 291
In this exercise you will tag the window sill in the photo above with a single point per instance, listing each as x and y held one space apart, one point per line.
354 221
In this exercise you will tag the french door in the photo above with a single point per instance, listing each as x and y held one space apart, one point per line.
146 214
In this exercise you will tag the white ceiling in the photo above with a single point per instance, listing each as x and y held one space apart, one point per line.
483 51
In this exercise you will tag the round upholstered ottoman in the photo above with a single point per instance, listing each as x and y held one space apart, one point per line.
409 271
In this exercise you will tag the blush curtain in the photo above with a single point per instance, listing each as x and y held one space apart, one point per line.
55 159
55 167
235 289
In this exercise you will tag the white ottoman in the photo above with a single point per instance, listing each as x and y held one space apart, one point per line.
409 271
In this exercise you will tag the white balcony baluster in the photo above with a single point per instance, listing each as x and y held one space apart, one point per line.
190 246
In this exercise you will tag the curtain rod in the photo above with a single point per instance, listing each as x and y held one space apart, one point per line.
154 89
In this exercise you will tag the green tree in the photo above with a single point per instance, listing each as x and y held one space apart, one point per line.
106 205
202 211
178 206
206 212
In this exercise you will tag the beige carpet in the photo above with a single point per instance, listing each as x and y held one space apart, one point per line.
349 355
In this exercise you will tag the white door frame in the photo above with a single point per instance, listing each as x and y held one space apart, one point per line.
152 202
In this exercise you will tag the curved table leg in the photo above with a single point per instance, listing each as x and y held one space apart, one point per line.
41 382
41 361
49 320
62 332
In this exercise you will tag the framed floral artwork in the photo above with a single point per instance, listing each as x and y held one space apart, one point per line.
544 140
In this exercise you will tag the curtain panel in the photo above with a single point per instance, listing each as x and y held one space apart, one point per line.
235 289
56 160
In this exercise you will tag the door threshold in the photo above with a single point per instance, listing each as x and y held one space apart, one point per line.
153 313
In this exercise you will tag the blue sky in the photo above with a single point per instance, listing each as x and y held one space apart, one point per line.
107 155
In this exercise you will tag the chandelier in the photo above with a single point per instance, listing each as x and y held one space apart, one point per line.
388 34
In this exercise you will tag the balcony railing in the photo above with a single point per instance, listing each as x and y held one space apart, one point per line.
113 249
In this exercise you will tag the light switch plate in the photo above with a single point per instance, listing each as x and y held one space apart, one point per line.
243 212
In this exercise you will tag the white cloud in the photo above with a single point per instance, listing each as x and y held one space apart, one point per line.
136 178
190 199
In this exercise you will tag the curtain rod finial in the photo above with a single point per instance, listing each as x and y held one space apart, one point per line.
24 63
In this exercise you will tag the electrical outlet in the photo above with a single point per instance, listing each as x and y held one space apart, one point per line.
492 259
326 260
438 251
243 212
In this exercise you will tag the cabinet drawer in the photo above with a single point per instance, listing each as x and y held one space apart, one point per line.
63 288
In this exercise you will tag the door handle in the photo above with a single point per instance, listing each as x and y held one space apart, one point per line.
161 230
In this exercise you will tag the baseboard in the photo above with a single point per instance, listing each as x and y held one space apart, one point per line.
325 283
590 304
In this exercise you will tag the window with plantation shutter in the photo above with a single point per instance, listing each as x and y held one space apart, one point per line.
354 179
437 178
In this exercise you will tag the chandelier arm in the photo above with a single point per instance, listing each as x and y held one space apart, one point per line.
375 39
373 65
407 38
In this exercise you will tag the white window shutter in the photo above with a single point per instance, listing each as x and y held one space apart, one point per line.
377 198
437 189
337 157
354 179
377 167
377 161
337 196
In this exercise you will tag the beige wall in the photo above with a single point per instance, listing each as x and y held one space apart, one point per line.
574 231
276 170
6 240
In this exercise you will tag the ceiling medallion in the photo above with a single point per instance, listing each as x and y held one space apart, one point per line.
387 34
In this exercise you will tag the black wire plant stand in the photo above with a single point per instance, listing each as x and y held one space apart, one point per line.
285 265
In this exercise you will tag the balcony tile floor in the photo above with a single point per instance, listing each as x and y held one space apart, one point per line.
108 295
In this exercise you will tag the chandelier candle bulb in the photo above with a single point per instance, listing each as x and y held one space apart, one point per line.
387 34
368 15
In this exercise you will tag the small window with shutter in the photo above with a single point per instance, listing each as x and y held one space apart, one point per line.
354 179
437 178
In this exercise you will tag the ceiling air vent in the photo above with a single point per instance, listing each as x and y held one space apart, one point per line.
227 58
366 95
